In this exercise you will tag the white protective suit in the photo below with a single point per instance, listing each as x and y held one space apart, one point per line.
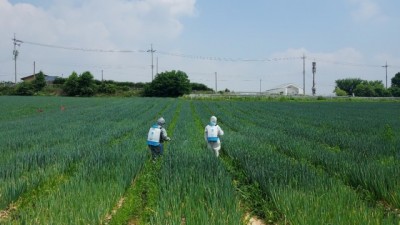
212 132
155 138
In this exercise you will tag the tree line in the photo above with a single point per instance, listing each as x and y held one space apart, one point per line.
166 84
169 84
365 88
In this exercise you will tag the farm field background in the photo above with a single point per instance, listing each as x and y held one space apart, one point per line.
85 161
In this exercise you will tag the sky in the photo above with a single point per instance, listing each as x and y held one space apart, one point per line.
243 46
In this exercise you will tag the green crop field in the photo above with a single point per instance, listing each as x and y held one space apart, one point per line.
85 161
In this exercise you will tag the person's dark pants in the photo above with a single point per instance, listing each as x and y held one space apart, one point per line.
156 151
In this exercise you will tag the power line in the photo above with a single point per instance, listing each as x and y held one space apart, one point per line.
212 58
79 49
197 57
345 63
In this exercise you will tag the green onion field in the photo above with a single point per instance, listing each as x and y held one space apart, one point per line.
85 161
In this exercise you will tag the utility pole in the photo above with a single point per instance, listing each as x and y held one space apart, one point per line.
156 65
15 53
216 90
260 86
34 69
102 76
151 50
304 74
386 66
314 69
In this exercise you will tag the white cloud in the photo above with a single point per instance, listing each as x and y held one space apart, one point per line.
350 55
177 7
367 10
90 24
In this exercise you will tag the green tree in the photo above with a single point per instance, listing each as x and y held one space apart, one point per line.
395 87
82 85
348 85
168 84
39 82
396 80
395 91
200 87
71 85
371 89
86 84
364 90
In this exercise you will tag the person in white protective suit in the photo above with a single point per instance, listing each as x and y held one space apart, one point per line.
212 135
156 137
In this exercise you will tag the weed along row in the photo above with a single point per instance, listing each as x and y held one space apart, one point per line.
86 161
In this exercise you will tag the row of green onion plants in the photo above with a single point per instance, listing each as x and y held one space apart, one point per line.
72 166
373 167
194 186
303 192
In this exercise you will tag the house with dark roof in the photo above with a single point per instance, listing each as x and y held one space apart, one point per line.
48 79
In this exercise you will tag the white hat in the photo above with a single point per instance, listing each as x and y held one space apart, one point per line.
161 121
213 120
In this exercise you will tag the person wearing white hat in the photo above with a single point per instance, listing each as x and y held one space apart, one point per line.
212 135
155 138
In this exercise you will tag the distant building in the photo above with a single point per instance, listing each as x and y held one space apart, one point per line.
49 79
285 89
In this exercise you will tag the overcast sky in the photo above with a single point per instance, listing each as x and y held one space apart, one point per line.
246 43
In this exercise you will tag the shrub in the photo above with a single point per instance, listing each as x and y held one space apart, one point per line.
339 92
24 88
